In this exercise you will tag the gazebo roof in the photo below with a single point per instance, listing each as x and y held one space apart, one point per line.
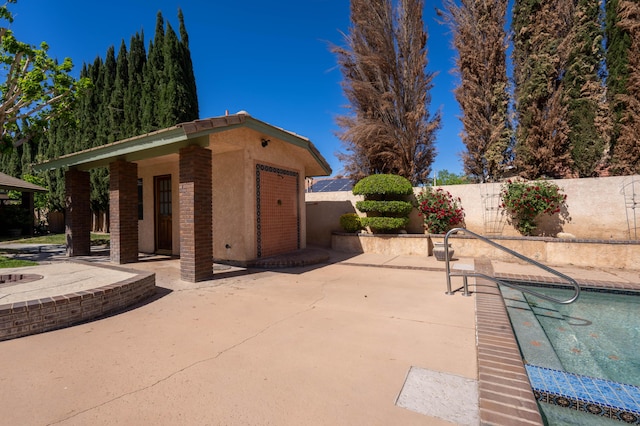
172 139
9 183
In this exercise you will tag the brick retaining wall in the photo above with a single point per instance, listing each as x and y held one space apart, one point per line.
36 316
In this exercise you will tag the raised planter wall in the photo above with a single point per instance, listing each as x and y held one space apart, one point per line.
549 251
597 208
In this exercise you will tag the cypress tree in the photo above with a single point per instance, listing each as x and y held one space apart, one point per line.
627 150
117 100
480 38
191 110
129 94
87 110
540 57
172 91
617 42
133 96
154 80
585 92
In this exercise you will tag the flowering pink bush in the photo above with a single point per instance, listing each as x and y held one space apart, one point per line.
439 210
525 201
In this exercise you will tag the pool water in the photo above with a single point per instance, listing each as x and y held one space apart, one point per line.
583 355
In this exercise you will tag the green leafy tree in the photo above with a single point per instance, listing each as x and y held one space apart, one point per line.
35 88
445 177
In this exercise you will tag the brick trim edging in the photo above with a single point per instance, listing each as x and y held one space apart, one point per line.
505 396
37 316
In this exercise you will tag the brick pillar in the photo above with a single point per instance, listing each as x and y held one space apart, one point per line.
196 230
123 211
78 213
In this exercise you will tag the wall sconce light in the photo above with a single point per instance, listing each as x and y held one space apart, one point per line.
265 142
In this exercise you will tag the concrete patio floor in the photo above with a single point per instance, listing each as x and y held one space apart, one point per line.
324 345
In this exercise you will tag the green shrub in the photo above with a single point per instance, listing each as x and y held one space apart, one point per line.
350 222
385 208
384 202
383 186
384 224
525 201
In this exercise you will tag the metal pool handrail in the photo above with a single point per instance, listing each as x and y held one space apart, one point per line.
465 274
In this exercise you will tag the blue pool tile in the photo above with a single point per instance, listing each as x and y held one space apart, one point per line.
634 392
563 383
591 388
583 392
627 402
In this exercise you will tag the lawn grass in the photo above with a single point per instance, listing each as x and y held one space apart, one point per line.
6 262
96 239
60 239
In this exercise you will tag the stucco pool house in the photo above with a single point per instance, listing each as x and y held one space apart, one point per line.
229 188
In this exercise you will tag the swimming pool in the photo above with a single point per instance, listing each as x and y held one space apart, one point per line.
583 356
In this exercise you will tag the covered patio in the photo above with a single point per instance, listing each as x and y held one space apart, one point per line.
27 189
254 171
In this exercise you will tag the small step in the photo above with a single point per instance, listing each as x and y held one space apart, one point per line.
462 267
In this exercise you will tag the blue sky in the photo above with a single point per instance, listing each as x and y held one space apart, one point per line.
270 59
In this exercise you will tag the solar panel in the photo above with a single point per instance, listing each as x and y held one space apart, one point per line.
332 185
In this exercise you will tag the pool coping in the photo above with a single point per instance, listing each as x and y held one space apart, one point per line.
506 395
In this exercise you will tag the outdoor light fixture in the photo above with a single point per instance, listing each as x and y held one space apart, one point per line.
265 142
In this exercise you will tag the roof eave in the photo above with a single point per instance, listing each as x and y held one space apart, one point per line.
294 139
158 143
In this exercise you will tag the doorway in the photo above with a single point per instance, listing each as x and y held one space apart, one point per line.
163 215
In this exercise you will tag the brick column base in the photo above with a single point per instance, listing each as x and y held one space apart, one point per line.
123 211
78 213
196 229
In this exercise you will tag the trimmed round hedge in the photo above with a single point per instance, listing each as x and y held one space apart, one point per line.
384 224
385 208
383 185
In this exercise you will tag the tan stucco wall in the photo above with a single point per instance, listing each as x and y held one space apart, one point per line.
235 155
596 207
234 188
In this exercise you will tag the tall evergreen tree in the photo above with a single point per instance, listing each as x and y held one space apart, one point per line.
154 79
540 57
128 92
480 39
618 42
385 80
627 149
585 93
192 109
173 92
117 99
135 79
